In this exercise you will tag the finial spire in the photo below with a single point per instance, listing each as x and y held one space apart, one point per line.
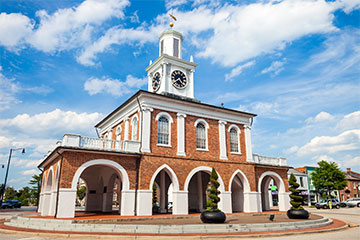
172 23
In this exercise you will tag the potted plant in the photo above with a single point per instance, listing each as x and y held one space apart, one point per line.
296 211
212 214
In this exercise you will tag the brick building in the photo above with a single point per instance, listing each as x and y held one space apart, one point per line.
163 136
352 190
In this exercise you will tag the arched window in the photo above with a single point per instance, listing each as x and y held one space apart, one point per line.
118 133
234 140
134 126
163 131
201 136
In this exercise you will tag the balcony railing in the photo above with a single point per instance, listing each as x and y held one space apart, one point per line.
77 141
274 161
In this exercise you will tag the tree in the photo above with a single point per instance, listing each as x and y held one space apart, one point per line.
35 181
328 177
212 203
81 193
296 199
10 193
24 195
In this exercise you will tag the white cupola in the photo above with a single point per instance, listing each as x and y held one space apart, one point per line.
170 43
169 74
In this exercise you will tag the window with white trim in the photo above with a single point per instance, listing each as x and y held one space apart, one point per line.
234 140
163 131
200 136
118 133
134 126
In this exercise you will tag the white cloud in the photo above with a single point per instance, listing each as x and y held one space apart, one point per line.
323 157
113 86
321 117
72 27
174 3
346 141
349 5
350 121
14 30
276 67
30 172
244 32
49 124
349 161
291 150
238 70
117 36
8 90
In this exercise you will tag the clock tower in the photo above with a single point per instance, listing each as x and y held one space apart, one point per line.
169 73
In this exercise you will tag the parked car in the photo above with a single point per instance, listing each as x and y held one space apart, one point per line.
335 203
352 202
11 204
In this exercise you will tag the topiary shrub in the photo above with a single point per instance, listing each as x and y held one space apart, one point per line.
296 199
212 202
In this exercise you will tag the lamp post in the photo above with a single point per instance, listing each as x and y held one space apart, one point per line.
7 170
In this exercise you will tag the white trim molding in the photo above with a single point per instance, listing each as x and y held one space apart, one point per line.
171 174
238 131
181 134
204 169
200 120
170 121
222 140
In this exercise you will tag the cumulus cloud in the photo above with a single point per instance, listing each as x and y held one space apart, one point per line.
350 121
238 70
15 28
114 87
346 141
49 124
321 117
290 150
174 3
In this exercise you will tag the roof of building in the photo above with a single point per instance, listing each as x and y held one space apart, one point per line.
349 176
173 97
296 172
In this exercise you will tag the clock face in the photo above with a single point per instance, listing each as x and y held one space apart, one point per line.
178 79
156 81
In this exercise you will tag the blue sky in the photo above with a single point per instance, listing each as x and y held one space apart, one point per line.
67 64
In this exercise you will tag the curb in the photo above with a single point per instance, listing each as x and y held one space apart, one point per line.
182 236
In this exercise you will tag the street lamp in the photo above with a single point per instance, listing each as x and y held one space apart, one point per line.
7 170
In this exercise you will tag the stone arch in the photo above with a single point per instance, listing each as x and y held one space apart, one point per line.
117 167
267 197
243 178
205 169
171 173
50 177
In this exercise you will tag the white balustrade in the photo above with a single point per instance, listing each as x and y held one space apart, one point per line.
274 161
77 141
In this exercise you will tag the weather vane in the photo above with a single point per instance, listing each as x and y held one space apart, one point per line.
172 23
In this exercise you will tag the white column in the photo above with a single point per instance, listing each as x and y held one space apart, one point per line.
126 132
200 194
52 203
181 134
180 203
144 203
41 203
46 207
284 201
249 154
145 138
271 202
225 202
162 193
66 205
252 202
222 140
127 203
